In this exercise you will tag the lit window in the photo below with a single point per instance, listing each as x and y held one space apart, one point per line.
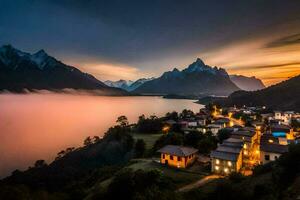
245 146
226 170
245 152
229 163
217 167
217 162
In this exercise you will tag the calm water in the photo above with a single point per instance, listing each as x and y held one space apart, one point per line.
37 126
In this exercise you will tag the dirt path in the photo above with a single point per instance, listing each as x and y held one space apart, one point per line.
199 183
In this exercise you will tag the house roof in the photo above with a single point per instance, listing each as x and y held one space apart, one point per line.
244 133
233 142
274 148
178 150
229 149
280 128
222 120
224 155
264 139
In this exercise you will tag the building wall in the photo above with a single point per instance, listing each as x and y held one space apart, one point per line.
272 157
176 161
220 166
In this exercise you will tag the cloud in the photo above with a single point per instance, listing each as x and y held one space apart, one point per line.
284 41
109 71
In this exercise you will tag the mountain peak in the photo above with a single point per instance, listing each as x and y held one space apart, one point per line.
175 70
41 53
199 61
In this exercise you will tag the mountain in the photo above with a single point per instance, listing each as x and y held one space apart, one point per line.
20 71
196 79
123 84
139 82
247 83
127 85
282 96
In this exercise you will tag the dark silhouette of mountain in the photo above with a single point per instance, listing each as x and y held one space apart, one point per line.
196 79
247 83
20 70
282 96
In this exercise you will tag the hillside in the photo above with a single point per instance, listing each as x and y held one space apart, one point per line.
247 83
196 79
20 70
283 96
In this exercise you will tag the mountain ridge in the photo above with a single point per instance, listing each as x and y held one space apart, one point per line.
283 96
197 79
24 71
247 83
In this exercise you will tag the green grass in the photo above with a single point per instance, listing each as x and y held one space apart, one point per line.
149 139
180 177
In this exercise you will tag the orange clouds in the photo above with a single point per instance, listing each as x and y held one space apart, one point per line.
260 58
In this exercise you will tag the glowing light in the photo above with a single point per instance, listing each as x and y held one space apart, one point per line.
229 163
217 162
217 168
166 129
226 170
270 141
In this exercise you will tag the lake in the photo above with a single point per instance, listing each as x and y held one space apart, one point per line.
37 126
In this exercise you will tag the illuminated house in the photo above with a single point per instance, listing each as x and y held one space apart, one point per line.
280 130
286 117
177 156
271 152
228 157
249 138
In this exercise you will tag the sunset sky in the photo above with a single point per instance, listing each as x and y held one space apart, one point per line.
120 39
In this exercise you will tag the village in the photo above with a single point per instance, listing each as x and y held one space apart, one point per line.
255 136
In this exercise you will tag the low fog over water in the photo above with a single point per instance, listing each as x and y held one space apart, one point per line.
37 126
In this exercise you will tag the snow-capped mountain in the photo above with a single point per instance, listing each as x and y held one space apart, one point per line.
127 85
119 84
20 70
139 82
197 79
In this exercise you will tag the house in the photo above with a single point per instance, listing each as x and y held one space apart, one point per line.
271 152
225 122
177 156
214 128
281 130
227 158
286 117
250 146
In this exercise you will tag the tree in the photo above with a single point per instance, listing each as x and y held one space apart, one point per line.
192 138
223 134
88 141
153 124
122 121
172 116
140 147
40 163
207 144
96 139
